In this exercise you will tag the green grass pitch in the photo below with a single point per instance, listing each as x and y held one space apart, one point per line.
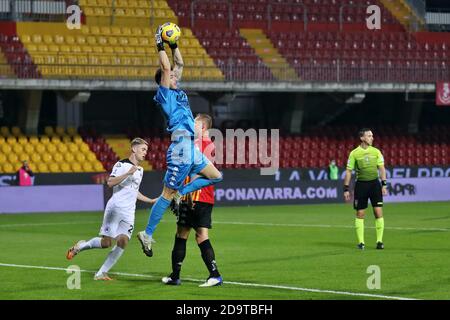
267 252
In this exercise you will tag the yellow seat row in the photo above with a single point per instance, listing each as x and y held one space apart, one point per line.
125 3
52 43
54 167
128 12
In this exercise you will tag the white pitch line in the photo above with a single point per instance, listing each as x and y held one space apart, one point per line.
244 284
267 224
323 226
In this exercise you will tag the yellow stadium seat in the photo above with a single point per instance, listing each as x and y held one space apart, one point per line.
22 140
91 157
13 158
112 41
18 149
36 38
26 39
45 140
76 167
88 167
95 30
16 131
62 148
8 168
98 167
105 31
42 48
49 130
58 157
84 148
33 140
66 139
46 158
97 49
73 147
55 140
70 40
43 167
69 157
65 167
11 140
86 49
29 149
4 131
40 148
48 39
80 157
2 140
78 140
2 158
53 167
88 11
58 39
36 158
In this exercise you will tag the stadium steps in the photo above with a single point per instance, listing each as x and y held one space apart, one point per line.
403 12
264 48
55 152
121 146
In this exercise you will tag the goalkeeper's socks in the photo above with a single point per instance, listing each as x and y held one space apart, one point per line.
379 227
111 260
91 244
178 254
209 258
156 214
359 225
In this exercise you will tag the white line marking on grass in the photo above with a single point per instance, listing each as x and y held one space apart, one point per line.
323 226
268 224
244 284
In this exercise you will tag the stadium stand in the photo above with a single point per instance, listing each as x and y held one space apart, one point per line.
55 151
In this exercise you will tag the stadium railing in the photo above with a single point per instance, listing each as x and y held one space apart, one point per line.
338 71
35 10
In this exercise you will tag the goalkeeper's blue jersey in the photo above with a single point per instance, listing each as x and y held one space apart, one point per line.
175 105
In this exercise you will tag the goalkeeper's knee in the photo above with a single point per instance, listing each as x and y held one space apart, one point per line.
218 179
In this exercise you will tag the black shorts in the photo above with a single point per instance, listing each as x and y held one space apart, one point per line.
365 190
199 217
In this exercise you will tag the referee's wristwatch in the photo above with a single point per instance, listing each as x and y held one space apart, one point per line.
346 188
383 183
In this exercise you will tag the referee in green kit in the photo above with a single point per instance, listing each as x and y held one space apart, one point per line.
367 161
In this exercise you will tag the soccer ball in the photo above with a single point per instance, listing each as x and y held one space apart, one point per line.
170 32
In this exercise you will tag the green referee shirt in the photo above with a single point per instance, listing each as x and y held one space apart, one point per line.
365 162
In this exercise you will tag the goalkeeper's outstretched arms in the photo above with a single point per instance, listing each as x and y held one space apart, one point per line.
164 61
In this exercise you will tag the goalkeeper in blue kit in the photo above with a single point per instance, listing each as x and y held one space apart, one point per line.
183 158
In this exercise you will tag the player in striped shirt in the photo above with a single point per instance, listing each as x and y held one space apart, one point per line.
195 212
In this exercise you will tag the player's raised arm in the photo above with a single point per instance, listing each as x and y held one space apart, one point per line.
178 61
164 61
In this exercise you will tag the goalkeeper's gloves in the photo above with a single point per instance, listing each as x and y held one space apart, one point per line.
173 46
158 39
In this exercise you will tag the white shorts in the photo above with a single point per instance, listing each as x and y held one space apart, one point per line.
117 221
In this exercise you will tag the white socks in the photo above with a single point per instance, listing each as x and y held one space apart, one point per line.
91 244
111 259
